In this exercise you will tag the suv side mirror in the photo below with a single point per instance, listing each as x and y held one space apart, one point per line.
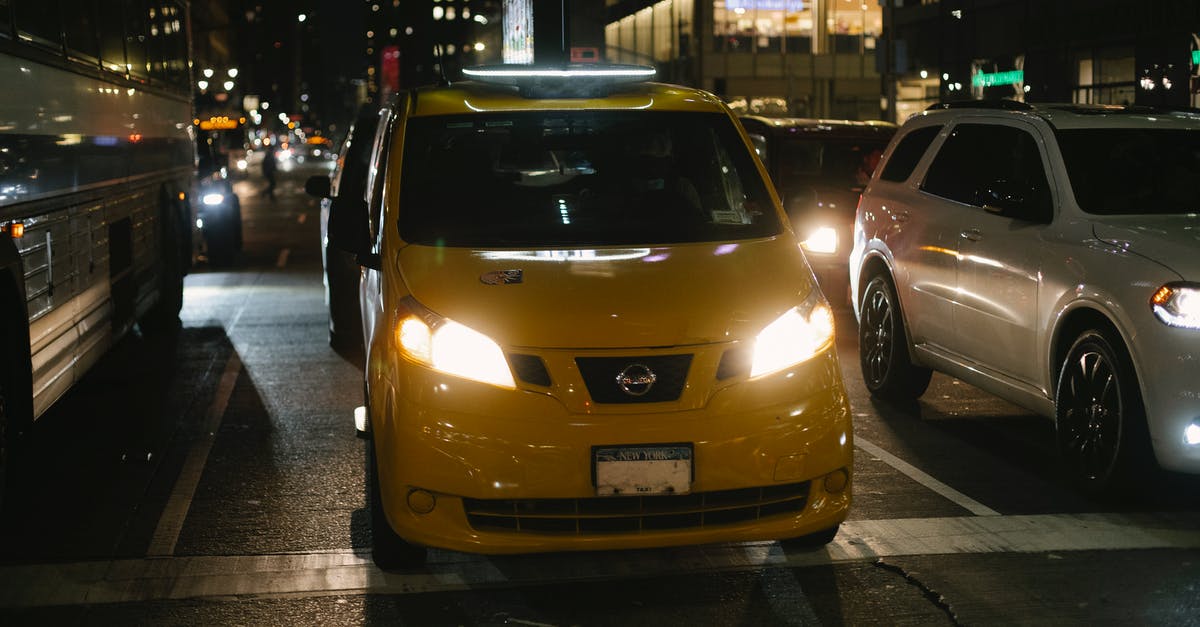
318 186
348 230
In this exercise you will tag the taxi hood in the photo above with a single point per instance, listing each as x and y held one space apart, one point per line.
611 297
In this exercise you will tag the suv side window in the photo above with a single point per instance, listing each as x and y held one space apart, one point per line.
978 159
908 153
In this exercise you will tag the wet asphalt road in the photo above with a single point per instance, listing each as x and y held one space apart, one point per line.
212 476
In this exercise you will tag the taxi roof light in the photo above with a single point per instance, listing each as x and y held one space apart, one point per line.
574 80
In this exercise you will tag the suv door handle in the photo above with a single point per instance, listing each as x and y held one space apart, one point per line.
971 234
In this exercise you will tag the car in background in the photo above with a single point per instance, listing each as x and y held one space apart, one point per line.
346 185
1049 254
571 340
819 168
218 209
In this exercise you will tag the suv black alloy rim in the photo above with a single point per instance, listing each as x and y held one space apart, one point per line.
876 340
1091 418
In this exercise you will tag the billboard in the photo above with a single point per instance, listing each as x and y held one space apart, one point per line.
518 31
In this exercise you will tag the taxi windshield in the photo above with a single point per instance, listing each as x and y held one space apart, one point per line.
591 178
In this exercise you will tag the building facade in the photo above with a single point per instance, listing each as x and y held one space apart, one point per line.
1093 51
813 58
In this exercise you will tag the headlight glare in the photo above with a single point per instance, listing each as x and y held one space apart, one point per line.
822 239
212 199
452 348
1177 305
796 336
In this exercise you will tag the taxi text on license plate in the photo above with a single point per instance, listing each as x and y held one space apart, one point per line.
643 470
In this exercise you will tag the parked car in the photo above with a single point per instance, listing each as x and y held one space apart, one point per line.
819 168
345 186
571 340
1048 254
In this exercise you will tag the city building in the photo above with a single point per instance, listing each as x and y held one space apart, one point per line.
813 58
1093 51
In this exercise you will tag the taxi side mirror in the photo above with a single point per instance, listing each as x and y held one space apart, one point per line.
317 186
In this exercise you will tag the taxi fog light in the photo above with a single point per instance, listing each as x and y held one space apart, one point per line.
212 199
453 348
836 481
1191 434
421 501
796 336
1177 305
822 240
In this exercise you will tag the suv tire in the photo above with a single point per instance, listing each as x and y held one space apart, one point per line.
883 345
1100 421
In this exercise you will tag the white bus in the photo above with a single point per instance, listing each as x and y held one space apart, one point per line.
97 158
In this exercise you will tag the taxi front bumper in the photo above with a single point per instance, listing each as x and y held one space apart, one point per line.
469 467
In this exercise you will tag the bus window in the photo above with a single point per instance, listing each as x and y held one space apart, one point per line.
112 40
37 21
81 31
135 39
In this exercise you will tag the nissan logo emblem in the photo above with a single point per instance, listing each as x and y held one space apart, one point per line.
636 379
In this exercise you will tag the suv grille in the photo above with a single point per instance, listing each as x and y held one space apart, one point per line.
635 514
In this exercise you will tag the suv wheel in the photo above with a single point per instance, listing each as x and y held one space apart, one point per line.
883 345
1100 419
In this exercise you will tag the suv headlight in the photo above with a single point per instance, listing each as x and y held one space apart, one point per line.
450 347
823 239
1177 305
798 335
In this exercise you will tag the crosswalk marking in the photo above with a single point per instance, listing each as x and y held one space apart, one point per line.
351 572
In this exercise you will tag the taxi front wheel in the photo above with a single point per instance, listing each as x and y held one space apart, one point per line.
388 550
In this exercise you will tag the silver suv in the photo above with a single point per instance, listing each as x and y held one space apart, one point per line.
1050 255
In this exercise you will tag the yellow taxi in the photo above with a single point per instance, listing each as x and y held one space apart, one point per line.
588 325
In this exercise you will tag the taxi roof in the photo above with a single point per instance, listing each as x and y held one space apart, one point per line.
473 97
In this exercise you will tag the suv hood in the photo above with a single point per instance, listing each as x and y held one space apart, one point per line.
1171 240
612 297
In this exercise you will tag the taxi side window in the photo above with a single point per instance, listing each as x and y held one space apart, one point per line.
374 187
908 153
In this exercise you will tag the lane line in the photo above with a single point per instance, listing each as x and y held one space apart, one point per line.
350 572
282 260
166 533
914 473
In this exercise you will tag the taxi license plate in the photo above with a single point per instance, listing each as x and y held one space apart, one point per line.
642 470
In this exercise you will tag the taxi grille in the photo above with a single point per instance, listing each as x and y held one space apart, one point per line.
600 376
635 514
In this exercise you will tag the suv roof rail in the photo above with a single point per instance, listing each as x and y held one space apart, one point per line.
1006 105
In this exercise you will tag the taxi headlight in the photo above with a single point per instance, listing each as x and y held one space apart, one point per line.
213 199
799 334
1177 305
822 239
453 348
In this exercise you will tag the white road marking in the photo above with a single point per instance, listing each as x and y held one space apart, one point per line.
348 572
282 260
914 473
166 533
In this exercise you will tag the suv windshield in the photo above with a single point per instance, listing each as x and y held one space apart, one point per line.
593 178
1133 171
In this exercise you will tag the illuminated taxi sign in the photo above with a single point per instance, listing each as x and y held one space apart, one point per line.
219 123
576 80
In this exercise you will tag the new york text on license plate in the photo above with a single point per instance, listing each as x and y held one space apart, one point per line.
643 470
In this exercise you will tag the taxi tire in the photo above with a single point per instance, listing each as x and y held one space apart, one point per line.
883 356
1100 428
388 550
